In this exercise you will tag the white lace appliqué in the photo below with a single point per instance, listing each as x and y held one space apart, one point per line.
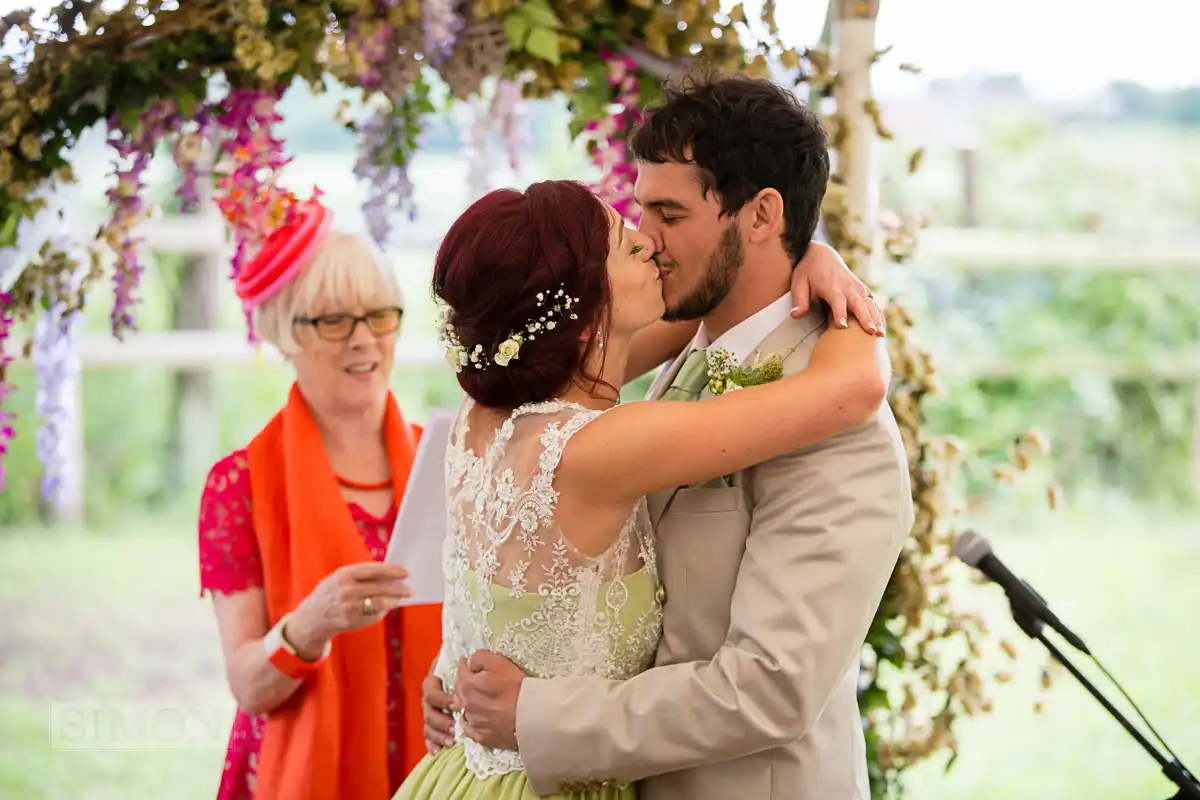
514 583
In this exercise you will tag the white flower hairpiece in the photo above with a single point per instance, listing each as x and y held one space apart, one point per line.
459 356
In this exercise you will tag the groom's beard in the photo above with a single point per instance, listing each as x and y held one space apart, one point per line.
717 282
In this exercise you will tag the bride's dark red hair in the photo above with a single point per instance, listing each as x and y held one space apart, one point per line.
505 249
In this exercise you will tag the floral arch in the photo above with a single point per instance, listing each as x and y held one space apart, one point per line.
145 71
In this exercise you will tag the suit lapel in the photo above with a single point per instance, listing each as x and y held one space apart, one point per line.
789 333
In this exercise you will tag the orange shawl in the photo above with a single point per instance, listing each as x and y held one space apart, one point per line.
329 740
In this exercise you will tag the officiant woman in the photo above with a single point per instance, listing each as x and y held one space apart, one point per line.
293 530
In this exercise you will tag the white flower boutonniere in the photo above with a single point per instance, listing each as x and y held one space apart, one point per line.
726 375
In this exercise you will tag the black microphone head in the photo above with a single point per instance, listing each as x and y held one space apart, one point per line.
971 548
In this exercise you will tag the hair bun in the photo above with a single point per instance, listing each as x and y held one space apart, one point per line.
499 269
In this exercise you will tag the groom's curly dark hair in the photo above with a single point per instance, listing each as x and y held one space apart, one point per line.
745 135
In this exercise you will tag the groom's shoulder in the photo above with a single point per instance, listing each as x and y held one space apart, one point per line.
795 339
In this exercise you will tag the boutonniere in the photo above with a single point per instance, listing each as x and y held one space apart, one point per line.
725 374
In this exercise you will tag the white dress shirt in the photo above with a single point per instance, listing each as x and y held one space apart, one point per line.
742 339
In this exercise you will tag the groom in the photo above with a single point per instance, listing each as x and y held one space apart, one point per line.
771 578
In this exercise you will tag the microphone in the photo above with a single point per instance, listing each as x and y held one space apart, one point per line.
976 551
1032 615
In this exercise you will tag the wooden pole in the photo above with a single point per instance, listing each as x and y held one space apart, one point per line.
854 40
968 162
192 434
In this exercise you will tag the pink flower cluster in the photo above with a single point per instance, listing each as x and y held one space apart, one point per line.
607 146
509 118
6 418
503 114
253 157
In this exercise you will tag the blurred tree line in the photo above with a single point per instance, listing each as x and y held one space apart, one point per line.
1129 179
1174 106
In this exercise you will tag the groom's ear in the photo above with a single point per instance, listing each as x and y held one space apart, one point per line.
765 211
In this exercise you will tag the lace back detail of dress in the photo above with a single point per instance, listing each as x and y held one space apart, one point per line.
514 582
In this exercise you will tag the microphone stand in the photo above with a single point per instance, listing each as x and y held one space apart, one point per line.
1032 625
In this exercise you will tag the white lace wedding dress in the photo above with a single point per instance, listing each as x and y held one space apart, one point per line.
515 585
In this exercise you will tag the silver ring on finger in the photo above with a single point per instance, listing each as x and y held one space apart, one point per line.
368 607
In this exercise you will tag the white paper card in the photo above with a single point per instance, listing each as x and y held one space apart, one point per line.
420 529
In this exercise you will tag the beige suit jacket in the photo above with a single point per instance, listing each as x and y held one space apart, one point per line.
771 584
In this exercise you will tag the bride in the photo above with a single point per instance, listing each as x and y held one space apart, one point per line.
550 558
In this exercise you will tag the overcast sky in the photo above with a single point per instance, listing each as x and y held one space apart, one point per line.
1061 47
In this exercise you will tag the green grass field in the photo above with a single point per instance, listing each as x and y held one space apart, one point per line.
1125 582
113 617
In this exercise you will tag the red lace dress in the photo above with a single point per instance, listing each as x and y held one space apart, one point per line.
229 562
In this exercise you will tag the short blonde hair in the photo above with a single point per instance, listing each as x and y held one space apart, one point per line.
346 272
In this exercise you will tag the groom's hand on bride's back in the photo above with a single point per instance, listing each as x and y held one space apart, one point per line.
435 704
486 691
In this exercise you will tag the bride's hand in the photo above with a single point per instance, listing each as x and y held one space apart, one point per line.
823 275
435 707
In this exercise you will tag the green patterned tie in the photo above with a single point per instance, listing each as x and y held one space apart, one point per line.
691 379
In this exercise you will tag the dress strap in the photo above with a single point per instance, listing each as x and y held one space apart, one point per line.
554 440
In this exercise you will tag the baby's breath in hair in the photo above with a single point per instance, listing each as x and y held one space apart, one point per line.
460 355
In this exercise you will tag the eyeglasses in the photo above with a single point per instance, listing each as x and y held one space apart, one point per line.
340 327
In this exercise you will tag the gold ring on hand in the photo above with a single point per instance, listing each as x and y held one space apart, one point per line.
368 607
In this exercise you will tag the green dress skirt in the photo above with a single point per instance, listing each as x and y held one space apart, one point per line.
446 776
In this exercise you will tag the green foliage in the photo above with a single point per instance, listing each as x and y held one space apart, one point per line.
1127 434
755 375
533 27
